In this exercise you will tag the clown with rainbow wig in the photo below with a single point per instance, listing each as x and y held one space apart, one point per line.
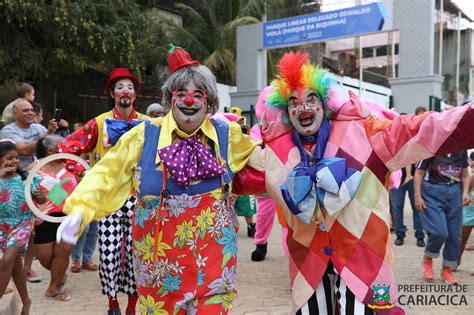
327 165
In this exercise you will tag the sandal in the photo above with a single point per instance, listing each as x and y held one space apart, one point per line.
89 265
32 276
61 296
76 267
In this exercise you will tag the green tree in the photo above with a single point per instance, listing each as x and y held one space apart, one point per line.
208 33
46 39
209 29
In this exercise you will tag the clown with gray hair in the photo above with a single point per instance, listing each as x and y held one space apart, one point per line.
202 78
181 166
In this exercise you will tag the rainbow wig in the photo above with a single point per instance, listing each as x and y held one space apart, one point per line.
295 72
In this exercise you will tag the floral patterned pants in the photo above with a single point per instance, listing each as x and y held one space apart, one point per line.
196 250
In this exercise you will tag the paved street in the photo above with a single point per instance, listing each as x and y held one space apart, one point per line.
264 287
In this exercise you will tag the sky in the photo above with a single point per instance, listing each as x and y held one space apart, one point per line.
467 6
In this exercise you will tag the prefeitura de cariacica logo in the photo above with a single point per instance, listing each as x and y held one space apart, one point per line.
381 296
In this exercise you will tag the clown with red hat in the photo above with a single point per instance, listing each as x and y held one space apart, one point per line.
181 166
96 138
120 74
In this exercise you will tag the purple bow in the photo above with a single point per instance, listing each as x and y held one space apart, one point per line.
189 160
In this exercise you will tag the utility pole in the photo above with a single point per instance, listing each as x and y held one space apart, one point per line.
391 56
440 48
458 59
358 46
263 80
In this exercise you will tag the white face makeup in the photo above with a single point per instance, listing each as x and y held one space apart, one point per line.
189 107
306 114
123 93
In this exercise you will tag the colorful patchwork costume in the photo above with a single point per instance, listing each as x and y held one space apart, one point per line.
335 195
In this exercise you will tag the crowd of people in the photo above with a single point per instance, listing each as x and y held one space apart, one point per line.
26 141
160 198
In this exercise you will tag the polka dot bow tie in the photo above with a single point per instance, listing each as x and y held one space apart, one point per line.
189 160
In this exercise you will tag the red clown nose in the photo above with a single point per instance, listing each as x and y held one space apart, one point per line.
188 101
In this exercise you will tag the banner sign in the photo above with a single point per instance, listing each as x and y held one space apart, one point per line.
326 25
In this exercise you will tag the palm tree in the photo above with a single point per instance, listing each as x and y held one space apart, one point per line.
210 26
209 32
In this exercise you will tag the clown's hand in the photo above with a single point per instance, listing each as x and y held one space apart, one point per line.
67 230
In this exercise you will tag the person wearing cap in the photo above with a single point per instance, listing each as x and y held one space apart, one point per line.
96 138
155 110
184 231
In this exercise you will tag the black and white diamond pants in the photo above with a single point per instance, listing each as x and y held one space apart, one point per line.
115 250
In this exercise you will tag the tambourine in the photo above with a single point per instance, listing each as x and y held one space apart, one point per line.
31 175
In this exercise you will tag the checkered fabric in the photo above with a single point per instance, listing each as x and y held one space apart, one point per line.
356 238
115 249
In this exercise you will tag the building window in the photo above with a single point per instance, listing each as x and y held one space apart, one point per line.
367 52
381 51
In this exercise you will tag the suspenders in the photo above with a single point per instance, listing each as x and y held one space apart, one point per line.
222 156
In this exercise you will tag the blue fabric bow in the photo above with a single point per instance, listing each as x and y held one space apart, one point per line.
116 128
319 182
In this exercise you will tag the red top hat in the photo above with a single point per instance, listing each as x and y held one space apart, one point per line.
119 74
178 59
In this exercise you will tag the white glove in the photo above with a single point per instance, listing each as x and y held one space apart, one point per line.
68 228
